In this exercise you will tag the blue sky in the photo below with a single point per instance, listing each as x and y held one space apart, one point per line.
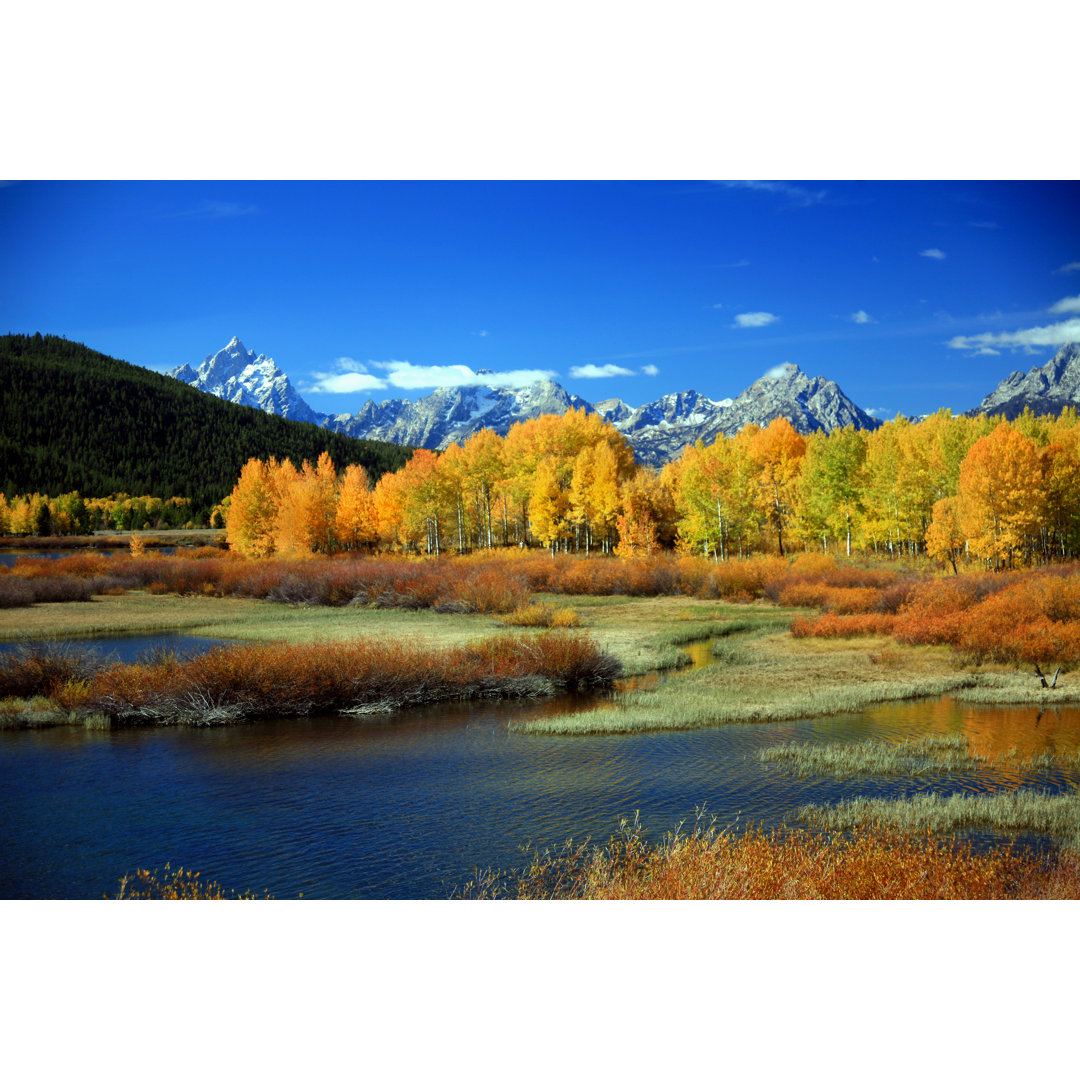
911 295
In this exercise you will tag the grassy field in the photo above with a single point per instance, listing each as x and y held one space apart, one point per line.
760 672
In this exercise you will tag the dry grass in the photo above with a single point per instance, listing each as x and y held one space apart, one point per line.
181 884
244 682
709 864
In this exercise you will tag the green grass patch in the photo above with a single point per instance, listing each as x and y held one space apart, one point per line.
1027 811
695 700
932 754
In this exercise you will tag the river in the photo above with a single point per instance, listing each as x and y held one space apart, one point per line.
407 806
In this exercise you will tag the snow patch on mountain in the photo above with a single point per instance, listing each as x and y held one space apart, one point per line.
238 375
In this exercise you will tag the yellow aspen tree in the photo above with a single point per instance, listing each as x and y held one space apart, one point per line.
319 499
548 505
638 522
355 524
290 525
485 469
778 451
250 524
945 535
1001 496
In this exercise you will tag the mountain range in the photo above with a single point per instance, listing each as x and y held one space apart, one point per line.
657 431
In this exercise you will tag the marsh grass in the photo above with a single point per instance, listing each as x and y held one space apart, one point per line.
917 757
688 705
1023 810
786 864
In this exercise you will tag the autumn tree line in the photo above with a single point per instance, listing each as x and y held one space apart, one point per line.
951 487
70 514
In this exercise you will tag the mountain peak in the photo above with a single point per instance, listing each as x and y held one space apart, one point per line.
782 371
1047 387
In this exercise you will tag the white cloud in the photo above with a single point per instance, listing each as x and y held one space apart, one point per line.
755 318
592 371
861 317
1068 268
879 413
347 363
933 253
480 333
1067 306
348 382
408 376
799 195
777 372
651 369
734 266
717 307
348 377
1061 333
984 225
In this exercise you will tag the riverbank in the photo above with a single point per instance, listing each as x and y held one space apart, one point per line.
759 673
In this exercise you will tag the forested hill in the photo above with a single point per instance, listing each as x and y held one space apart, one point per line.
75 419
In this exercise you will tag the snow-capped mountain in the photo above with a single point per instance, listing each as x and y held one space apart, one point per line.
811 404
1045 389
238 375
657 431
452 414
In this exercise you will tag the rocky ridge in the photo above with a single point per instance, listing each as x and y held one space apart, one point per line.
1048 388
657 431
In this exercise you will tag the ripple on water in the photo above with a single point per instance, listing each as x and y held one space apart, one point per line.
409 805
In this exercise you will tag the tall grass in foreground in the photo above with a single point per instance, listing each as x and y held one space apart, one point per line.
241 682
785 864
1027 811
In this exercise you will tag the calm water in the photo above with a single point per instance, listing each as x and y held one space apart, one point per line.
407 807
9 555
127 648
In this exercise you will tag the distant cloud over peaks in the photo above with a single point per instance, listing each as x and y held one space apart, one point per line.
861 317
933 253
349 377
1067 306
755 318
650 369
408 376
1062 333
598 371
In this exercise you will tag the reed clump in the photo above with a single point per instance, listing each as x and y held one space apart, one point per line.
540 614
243 682
784 864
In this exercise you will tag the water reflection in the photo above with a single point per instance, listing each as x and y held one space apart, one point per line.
407 805
125 648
